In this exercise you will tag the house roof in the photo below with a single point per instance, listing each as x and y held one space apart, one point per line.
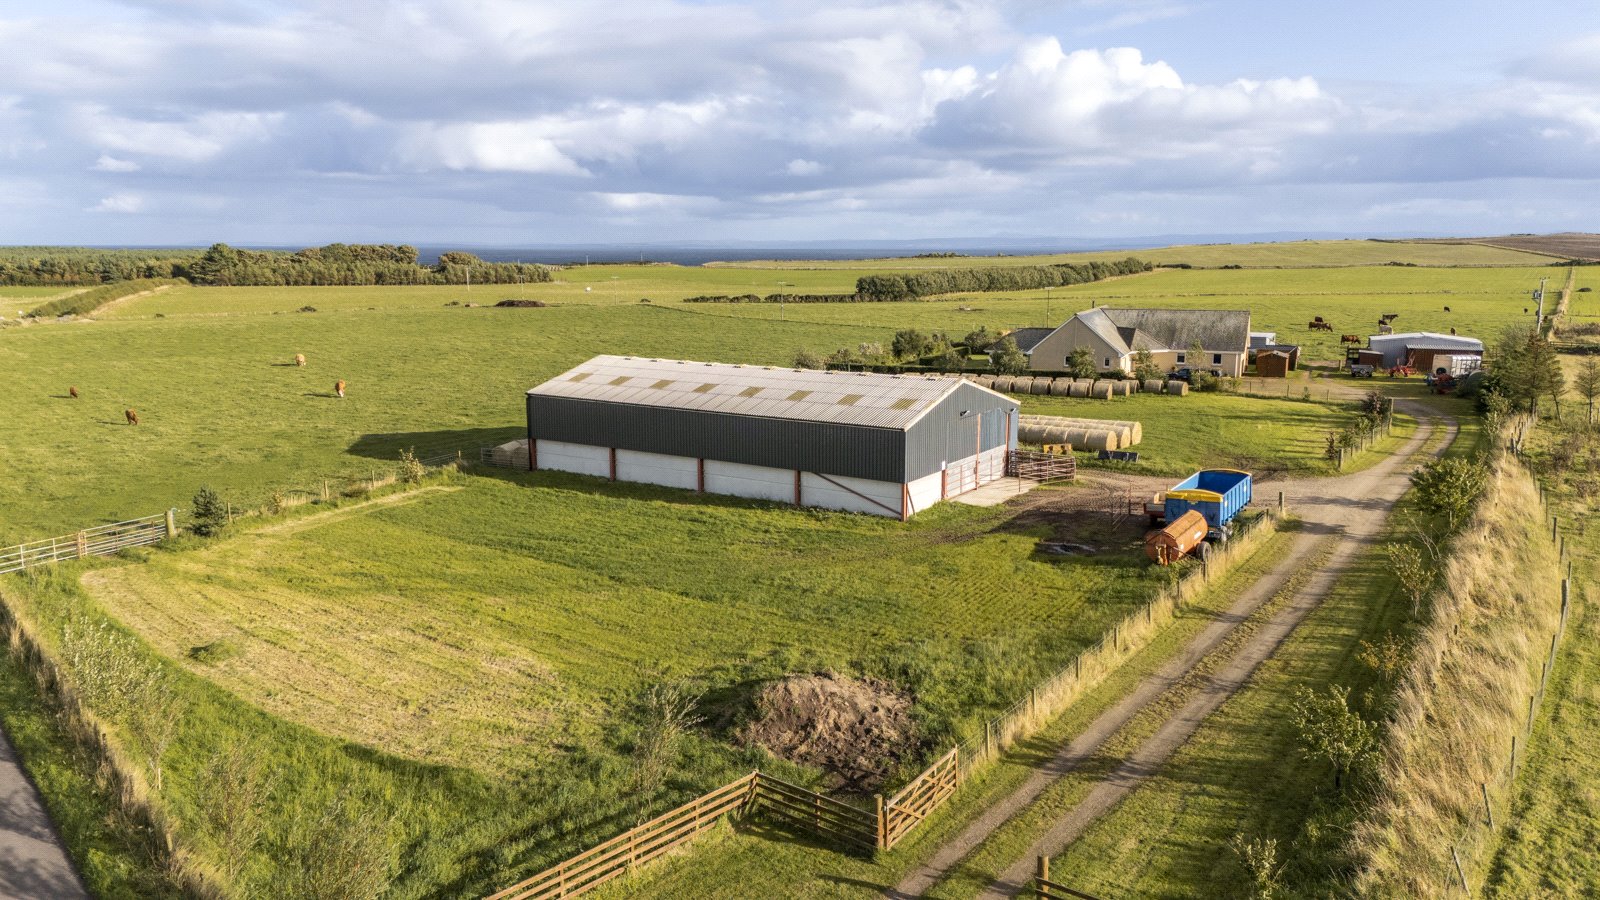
845 398
1028 338
1176 329
1428 339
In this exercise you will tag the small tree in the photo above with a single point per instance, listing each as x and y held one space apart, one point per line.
1331 731
209 511
910 343
1414 575
1006 359
843 356
979 341
1202 380
1144 365
1195 355
1081 363
1259 859
871 352
1449 488
411 468
805 358
1587 384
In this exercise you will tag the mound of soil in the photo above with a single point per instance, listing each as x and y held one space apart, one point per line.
523 304
856 730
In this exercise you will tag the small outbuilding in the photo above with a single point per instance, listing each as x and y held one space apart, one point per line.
1273 364
889 445
1417 348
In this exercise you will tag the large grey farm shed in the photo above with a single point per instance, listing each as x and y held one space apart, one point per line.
885 444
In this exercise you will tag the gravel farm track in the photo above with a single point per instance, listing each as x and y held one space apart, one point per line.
1340 516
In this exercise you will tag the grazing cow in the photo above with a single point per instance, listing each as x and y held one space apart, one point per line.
72 392
1316 318
1524 310
1447 309
338 388
1319 325
1349 338
133 417
1386 329
1452 329
299 359
1386 318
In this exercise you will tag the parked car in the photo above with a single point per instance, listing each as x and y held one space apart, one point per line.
1187 374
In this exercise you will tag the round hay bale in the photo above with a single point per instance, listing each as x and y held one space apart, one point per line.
1041 386
1137 434
1178 388
1053 436
1021 384
1029 433
1061 387
1002 384
1100 390
985 381
1120 388
1077 437
1077 389
1155 385
1099 440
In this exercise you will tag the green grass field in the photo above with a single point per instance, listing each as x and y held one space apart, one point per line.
463 663
1296 254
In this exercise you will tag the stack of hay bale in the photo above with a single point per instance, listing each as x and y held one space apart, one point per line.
1080 434
513 455
1098 388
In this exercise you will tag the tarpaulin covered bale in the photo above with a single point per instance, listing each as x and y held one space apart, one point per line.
1178 388
1154 385
1003 384
1100 390
1040 386
1078 389
1061 387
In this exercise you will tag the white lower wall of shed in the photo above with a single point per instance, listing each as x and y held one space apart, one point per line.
658 468
580 459
925 492
740 480
879 498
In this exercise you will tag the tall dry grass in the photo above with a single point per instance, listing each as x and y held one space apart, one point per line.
1464 697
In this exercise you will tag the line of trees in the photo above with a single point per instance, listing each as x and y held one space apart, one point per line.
334 264
993 278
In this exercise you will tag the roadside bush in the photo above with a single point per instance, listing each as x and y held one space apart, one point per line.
411 468
210 512
808 359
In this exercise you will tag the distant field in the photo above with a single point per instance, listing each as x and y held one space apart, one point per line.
1570 245
1287 254
35 294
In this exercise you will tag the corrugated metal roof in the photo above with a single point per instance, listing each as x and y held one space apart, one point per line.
849 398
1419 338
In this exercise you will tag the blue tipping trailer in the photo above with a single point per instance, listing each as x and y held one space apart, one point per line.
1217 494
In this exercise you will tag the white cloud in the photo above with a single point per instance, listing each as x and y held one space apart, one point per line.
119 203
804 167
194 138
488 147
108 163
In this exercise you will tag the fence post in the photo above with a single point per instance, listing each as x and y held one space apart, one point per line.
1280 504
1041 890
883 826
172 523
1460 873
1486 807
1513 757
83 550
1555 522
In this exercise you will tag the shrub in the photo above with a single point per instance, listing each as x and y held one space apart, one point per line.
1450 487
1081 363
1331 731
210 512
411 468
1006 359
1201 380
808 359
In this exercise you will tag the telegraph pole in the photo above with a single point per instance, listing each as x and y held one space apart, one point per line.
1539 296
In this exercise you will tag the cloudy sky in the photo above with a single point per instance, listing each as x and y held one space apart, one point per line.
518 122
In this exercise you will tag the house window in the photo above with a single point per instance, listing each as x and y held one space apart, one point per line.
1180 357
1107 362
1216 359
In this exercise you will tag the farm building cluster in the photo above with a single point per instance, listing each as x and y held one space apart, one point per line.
1114 338
889 445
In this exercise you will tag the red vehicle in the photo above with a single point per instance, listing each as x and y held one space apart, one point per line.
1401 371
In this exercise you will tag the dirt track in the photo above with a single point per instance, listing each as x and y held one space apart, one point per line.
1346 511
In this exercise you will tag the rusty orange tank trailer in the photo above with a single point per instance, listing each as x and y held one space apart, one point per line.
1177 540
